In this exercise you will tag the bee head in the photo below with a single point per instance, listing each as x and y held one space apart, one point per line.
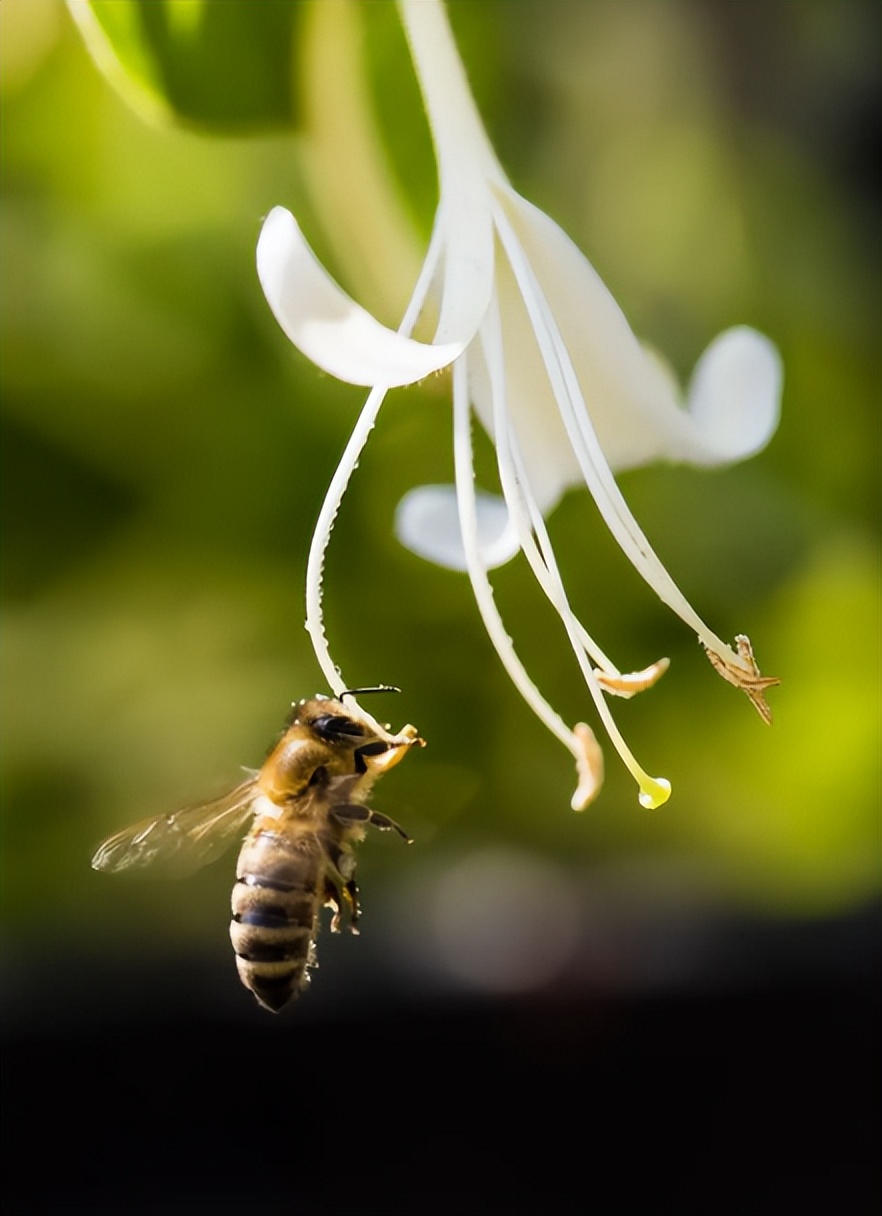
329 720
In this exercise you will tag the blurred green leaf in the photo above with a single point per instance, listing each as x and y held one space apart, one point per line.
225 67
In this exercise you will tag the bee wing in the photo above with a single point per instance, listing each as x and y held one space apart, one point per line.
186 839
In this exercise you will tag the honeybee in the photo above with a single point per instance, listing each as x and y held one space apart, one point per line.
307 809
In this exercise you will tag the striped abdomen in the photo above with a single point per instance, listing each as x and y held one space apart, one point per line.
275 905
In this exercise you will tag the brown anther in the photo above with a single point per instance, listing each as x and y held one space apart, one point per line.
628 683
749 681
589 766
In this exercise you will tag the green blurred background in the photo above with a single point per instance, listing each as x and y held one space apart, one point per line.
619 1011
165 453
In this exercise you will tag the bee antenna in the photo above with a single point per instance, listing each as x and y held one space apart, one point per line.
352 692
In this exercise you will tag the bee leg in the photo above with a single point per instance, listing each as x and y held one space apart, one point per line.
334 900
351 893
340 897
384 823
349 813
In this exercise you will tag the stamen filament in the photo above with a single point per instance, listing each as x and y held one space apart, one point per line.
321 536
653 791
530 526
367 419
517 492
577 421
477 572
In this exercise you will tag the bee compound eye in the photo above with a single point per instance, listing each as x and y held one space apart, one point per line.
336 728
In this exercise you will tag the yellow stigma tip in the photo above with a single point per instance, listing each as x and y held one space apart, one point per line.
655 793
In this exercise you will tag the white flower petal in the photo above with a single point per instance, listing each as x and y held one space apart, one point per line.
427 523
735 395
632 398
631 401
324 323
468 263
547 452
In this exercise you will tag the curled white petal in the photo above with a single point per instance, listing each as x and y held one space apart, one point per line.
468 262
632 404
532 409
427 523
735 395
326 325
635 404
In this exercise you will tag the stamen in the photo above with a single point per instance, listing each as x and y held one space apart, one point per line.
586 447
753 683
322 534
481 586
589 767
517 491
653 791
632 682
367 419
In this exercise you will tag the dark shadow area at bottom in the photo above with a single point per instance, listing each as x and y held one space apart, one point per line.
760 1101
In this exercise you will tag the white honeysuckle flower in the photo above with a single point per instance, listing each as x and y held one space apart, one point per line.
540 350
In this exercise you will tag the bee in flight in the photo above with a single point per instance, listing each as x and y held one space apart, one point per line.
306 808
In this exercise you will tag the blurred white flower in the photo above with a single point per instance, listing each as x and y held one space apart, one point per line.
540 350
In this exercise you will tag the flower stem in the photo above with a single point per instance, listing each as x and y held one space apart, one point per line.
464 152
